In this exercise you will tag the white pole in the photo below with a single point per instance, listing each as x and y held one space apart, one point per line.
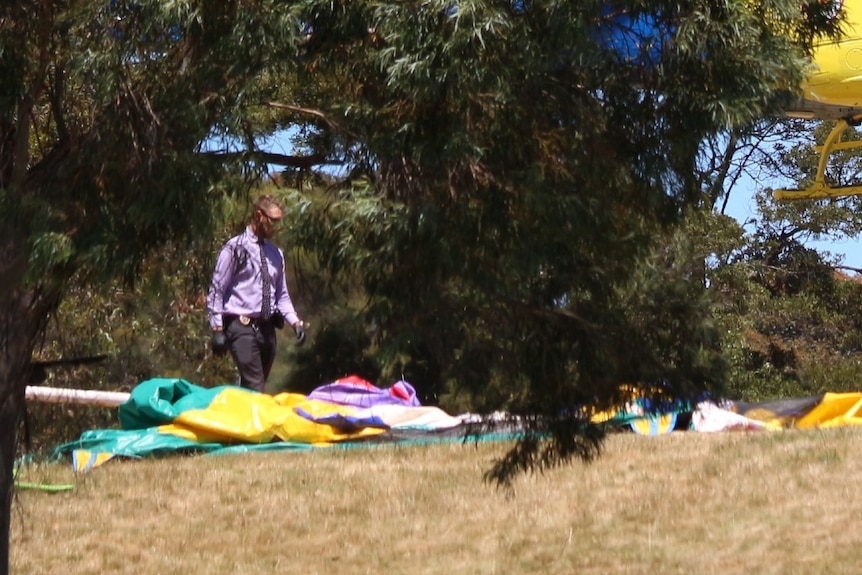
82 396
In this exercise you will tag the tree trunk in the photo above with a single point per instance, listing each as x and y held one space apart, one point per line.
11 411
22 320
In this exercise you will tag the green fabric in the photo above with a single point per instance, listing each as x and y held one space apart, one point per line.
158 401
132 443
274 446
144 442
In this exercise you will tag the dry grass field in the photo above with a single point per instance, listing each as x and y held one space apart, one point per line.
765 502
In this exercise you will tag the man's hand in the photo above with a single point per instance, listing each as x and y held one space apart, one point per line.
300 333
219 343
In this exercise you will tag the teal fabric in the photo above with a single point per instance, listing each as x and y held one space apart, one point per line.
274 446
138 443
133 443
158 401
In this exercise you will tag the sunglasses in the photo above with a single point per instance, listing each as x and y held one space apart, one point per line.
269 218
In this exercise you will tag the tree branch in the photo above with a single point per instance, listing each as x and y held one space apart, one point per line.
311 112
850 268
285 160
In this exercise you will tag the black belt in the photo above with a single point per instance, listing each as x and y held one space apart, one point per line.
255 322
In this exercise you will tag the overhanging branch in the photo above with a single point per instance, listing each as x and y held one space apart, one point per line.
284 160
307 112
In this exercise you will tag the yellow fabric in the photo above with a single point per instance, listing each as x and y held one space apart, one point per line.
235 415
772 420
654 425
84 460
834 410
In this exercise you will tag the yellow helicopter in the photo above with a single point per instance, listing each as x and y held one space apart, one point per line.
833 91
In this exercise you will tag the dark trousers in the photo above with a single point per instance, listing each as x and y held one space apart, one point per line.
253 349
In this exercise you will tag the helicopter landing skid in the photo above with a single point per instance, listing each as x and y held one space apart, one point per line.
821 189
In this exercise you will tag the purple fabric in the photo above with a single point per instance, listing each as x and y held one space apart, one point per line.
357 392
344 422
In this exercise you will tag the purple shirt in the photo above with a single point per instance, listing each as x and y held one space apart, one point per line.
236 287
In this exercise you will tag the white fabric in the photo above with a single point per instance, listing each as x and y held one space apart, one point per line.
710 418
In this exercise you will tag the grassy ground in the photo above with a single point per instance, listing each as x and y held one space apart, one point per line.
765 502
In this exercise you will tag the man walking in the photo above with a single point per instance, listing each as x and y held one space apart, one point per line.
248 297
